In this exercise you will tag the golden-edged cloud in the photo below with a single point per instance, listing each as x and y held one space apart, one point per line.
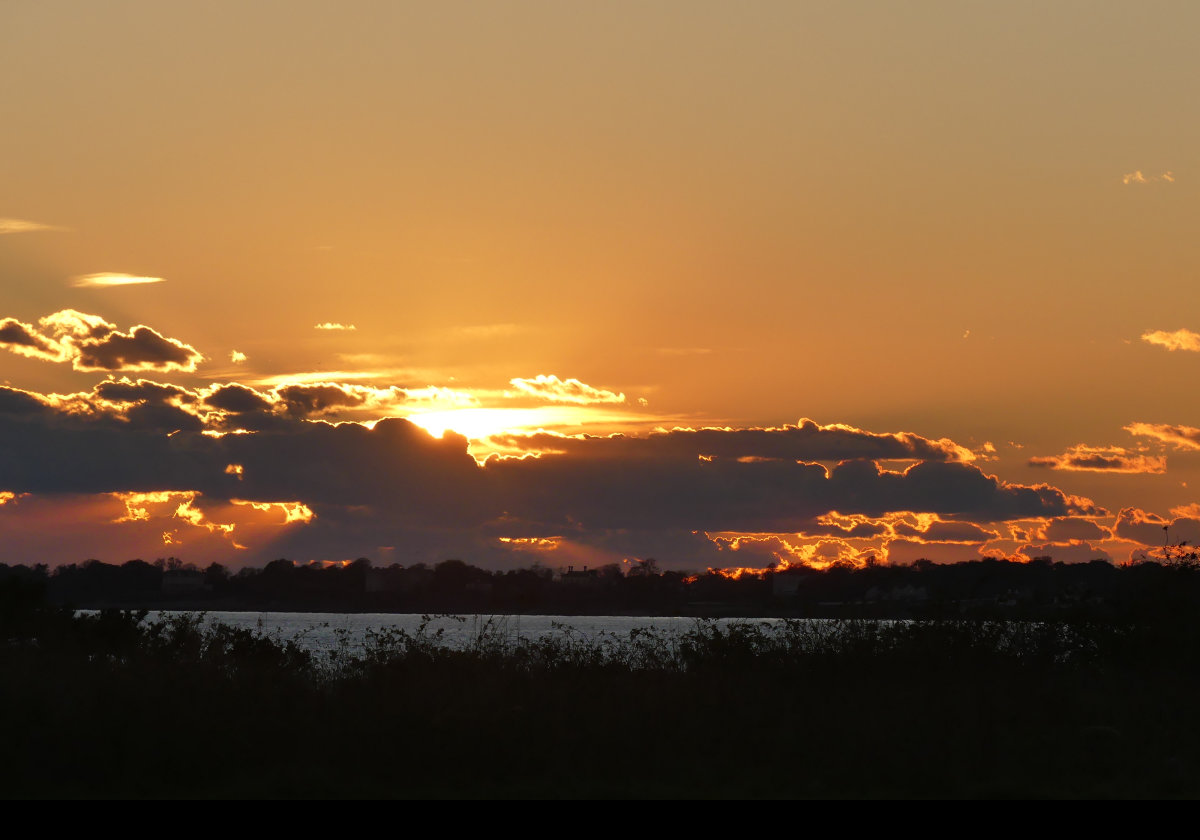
572 391
330 325
1181 437
1178 340
108 278
1112 459
91 343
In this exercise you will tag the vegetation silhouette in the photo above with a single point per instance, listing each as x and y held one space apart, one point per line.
116 703
986 588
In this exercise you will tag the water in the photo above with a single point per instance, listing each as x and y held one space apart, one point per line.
323 633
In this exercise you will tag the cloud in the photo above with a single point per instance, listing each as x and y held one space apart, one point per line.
310 400
112 279
237 356
1066 529
237 399
806 441
90 343
1136 177
564 391
24 340
125 390
1150 529
1181 437
8 226
140 349
394 484
329 325
1178 340
1113 459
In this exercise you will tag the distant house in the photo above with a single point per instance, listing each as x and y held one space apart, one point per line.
586 579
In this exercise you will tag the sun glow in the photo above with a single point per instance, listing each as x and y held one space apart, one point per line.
479 423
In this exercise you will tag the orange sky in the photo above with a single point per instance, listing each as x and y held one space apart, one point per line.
969 223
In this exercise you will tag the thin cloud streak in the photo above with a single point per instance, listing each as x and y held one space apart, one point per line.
1110 459
10 226
107 278
330 325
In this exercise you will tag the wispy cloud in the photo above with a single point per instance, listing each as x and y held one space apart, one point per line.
330 325
237 356
564 390
1178 340
109 278
25 226
1137 177
683 351
1111 459
1181 437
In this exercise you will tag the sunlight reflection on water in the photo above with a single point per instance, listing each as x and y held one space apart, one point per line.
324 632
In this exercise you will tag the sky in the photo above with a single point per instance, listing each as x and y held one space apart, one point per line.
726 285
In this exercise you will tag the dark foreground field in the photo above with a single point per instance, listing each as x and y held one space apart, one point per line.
110 706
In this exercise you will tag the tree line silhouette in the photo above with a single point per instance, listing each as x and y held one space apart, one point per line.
996 588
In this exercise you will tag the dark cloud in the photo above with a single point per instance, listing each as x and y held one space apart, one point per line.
309 400
162 417
141 349
1153 530
397 485
25 340
143 390
16 401
806 441
238 399
1066 529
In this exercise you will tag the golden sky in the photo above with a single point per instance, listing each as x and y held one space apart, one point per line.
957 236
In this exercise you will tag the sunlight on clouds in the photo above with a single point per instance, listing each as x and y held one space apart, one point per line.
1182 437
138 505
532 543
329 325
237 357
107 278
292 511
1113 459
564 390
1178 340
478 423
